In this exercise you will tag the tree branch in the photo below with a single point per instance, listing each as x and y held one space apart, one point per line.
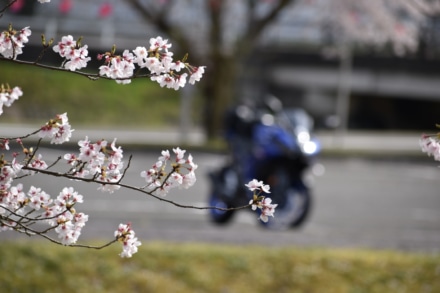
159 20
256 26
129 187
91 76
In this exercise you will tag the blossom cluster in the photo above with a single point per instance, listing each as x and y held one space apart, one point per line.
99 160
68 222
258 201
57 129
12 41
19 208
129 241
157 59
431 145
76 56
8 96
160 181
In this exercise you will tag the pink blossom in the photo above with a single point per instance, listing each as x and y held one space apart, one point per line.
182 173
159 44
76 57
258 185
179 155
12 42
57 129
267 209
431 146
196 74
38 198
127 237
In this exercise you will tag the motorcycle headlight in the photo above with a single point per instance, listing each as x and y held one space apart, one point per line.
310 147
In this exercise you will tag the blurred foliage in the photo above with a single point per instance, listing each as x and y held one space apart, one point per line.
163 267
141 104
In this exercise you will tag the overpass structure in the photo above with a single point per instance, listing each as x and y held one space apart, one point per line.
384 92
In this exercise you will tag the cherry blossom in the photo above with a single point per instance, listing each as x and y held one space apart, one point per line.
258 201
161 181
16 198
126 236
64 47
254 184
75 55
118 67
58 129
69 226
38 198
267 209
430 145
97 160
157 59
68 198
36 162
12 41
196 74
158 44
8 96
4 144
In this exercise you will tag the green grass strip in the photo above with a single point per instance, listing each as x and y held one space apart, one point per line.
141 104
165 267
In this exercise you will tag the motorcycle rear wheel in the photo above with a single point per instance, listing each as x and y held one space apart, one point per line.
220 217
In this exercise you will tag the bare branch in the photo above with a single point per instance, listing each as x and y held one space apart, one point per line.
159 19
32 232
6 7
256 26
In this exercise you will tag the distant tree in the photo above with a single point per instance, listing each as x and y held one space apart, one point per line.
224 33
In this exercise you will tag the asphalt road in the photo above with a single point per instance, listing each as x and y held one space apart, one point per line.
358 202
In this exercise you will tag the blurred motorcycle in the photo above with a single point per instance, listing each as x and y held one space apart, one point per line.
272 144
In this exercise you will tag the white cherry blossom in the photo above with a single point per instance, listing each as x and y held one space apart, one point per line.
129 241
12 42
431 146
76 56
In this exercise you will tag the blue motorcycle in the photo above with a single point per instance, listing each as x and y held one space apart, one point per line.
271 144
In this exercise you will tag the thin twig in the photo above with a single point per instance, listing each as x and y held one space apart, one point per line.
91 76
21 137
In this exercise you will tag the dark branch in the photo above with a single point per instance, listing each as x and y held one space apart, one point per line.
129 187
160 21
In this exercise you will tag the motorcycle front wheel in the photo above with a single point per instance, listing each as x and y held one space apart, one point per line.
294 202
293 210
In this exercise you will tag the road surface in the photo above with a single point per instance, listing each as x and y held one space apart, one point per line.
358 202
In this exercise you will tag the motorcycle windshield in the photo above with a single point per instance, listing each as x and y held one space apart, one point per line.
273 140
